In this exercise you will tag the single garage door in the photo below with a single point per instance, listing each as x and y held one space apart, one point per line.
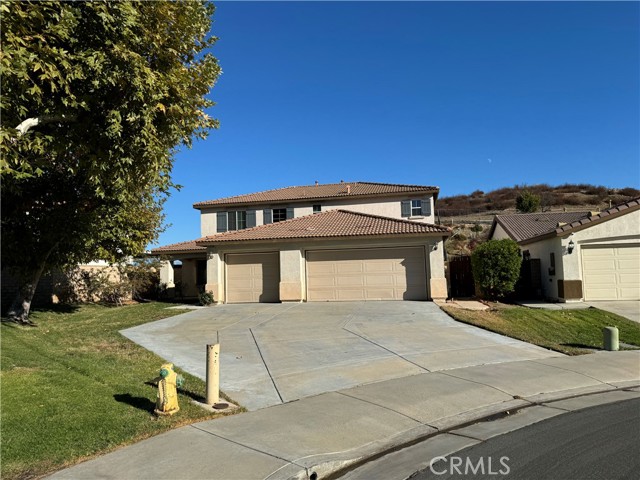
611 273
366 274
253 277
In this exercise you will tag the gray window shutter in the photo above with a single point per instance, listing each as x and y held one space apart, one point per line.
267 216
221 222
251 218
405 208
426 207
289 212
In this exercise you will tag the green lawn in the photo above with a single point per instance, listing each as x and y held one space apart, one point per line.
573 332
73 387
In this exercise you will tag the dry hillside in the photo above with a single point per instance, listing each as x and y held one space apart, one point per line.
471 215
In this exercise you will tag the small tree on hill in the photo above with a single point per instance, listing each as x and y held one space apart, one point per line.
496 267
527 202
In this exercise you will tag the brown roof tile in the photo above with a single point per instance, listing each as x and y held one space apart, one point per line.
321 191
181 247
329 224
530 227
626 207
523 226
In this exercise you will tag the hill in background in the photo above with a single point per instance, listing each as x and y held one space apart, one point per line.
471 215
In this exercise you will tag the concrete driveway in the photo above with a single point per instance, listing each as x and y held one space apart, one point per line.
625 308
276 353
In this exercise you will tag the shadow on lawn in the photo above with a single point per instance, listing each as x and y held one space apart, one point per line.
192 395
142 403
581 345
59 308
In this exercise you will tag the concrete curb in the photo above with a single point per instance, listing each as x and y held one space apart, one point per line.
333 469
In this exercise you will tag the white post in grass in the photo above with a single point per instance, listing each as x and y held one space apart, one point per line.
213 374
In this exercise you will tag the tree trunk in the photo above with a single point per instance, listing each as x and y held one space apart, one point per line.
21 306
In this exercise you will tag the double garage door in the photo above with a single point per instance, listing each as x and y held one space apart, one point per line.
397 273
367 274
611 273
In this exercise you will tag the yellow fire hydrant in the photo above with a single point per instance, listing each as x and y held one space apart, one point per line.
168 383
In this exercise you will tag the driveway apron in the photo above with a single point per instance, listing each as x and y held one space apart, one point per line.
276 353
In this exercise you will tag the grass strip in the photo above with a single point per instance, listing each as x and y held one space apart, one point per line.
73 387
573 332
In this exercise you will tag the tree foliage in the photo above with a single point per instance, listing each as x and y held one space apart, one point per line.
527 202
96 98
496 267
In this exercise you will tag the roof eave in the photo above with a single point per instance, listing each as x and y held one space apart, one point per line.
204 206
214 242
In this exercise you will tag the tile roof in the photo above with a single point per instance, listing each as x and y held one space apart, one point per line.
320 191
329 224
529 227
523 226
181 247
626 207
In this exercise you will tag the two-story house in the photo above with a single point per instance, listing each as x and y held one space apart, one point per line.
330 242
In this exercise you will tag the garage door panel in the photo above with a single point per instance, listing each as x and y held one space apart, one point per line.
611 273
253 278
366 274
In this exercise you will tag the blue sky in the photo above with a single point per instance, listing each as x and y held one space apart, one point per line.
464 96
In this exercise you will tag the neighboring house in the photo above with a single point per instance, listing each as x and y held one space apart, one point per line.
583 255
333 242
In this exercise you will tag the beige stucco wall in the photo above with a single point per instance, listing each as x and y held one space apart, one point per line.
387 207
499 233
624 229
621 230
166 274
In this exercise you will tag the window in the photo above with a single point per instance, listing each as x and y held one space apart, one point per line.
317 208
273 215
238 220
416 208
279 214
552 263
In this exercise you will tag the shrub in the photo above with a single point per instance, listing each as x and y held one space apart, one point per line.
527 202
496 267
206 298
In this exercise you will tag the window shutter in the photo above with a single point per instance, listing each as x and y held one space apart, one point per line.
289 212
426 207
266 216
221 222
405 208
251 218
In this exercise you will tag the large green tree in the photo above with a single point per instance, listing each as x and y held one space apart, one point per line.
96 98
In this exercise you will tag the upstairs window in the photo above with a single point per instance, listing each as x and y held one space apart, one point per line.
279 214
416 208
317 208
236 220
274 215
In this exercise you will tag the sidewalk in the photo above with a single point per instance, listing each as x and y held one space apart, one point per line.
327 432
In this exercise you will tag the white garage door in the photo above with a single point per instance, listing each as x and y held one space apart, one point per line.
253 277
366 274
611 273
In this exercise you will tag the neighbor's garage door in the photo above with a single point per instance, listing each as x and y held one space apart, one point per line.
611 273
253 277
366 274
